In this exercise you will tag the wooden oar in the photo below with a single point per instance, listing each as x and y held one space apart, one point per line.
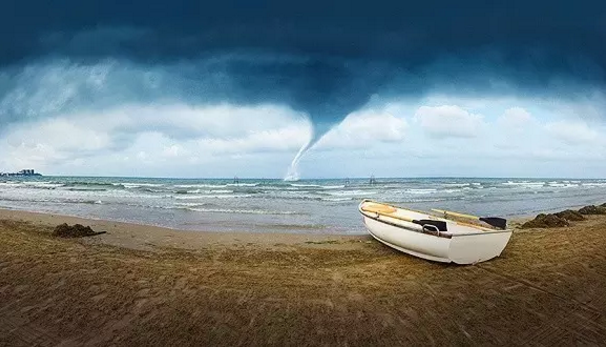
440 225
497 222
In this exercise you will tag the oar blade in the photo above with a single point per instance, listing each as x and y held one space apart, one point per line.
497 222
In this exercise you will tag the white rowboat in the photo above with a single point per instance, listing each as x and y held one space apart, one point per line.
426 236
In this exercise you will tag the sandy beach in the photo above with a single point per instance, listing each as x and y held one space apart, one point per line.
143 285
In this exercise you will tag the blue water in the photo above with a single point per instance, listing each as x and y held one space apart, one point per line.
306 206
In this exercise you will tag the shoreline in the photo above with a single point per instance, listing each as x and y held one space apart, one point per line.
268 206
515 221
145 237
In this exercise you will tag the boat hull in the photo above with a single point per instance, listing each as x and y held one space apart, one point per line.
463 248
414 243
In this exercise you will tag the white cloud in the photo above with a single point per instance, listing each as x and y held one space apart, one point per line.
515 117
289 138
21 156
574 133
449 121
153 134
364 129
62 134
189 122
173 151
49 142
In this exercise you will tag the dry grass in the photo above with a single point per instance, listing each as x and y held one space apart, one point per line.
549 287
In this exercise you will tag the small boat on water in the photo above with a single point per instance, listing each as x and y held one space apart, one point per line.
434 238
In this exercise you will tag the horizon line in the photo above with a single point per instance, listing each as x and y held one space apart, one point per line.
325 178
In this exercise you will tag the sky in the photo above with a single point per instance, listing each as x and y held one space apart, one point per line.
310 89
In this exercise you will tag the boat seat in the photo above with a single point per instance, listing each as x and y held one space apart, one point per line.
378 208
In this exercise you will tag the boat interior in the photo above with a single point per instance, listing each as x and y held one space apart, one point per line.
398 215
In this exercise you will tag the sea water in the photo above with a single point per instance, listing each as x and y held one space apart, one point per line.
306 206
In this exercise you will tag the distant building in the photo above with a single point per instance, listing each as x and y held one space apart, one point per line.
24 172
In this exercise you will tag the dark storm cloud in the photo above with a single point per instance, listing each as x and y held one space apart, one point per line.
325 58
407 34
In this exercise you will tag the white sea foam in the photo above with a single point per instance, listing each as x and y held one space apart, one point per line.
351 193
189 204
138 185
211 196
562 185
47 185
211 191
421 191
524 184
221 191
200 186
11 184
455 184
242 211
337 199
305 185
333 187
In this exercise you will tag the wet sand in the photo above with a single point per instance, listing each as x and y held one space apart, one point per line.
141 285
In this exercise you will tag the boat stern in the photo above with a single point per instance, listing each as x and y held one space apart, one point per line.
476 248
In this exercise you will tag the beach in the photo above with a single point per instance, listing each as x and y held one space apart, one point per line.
153 286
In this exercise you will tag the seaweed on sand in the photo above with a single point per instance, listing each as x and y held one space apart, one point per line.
546 221
592 209
76 230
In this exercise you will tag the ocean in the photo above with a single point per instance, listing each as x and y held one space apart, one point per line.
263 205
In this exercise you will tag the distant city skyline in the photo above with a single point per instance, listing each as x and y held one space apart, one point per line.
23 172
